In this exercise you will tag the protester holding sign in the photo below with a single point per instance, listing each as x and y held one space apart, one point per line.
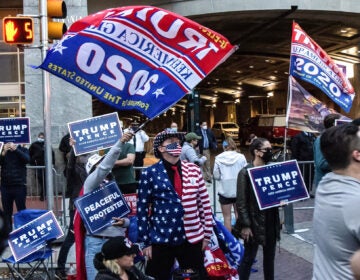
174 212
75 178
255 226
337 204
99 169
13 162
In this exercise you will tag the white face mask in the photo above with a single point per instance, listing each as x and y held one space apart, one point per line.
204 127
173 129
41 139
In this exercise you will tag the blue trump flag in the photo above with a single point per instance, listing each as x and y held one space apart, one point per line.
98 207
277 184
231 247
312 64
137 57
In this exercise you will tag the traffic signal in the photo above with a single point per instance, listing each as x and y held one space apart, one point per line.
18 30
56 9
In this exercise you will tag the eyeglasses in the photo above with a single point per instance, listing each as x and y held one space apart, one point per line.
265 150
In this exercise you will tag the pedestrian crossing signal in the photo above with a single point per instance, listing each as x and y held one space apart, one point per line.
18 30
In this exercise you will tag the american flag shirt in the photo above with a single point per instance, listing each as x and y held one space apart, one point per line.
172 219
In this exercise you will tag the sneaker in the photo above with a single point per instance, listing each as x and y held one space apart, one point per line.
60 275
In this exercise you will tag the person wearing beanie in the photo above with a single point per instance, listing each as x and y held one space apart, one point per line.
188 152
116 261
173 211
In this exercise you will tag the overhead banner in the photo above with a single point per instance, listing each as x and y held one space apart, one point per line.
305 112
34 235
98 207
15 130
277 184
95 133
137 57
312 64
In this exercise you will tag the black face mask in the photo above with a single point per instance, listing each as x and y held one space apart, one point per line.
267 156
134 128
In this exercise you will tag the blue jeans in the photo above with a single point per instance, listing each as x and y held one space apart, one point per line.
92 246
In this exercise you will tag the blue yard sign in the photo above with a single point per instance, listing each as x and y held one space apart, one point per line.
98 207
95 133
277 184
34 235
15 130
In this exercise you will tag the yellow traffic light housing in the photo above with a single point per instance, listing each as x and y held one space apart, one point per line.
18 30
56 9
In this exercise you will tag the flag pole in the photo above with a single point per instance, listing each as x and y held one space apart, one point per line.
288 209
288 97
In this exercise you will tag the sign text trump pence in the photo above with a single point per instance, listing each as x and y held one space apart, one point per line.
15 130
98 207
95 133
34 235
277 184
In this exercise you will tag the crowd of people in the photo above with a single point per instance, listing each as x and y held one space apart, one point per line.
174 215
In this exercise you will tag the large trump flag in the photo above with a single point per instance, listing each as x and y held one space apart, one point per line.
310 63
305 112
137 57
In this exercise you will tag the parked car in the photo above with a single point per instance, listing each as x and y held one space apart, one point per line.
271 127
223 129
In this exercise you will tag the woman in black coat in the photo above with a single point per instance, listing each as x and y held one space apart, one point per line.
116 261
256 227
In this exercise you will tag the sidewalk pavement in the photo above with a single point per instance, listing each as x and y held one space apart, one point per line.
294 258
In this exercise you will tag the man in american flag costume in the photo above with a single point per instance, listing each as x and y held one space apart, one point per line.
173 210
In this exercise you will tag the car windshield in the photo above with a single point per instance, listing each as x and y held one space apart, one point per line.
230 125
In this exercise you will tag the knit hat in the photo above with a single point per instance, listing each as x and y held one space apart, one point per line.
117 247
162 136
192 136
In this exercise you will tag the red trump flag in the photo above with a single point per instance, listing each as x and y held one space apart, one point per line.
137 57
310 63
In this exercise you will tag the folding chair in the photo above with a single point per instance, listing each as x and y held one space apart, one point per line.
25 268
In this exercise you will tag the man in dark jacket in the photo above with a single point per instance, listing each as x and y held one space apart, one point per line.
37 158
302 150
13 162
206 144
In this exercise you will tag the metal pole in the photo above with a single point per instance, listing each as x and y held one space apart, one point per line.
289 218
47 102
